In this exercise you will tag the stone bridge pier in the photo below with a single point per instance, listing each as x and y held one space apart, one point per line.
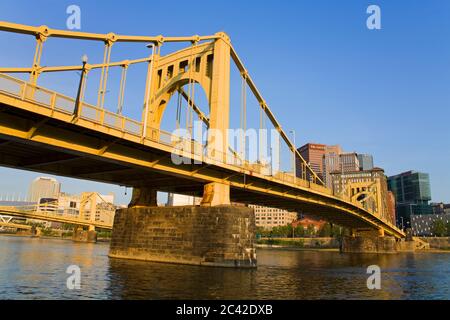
215 233
369 241
81 235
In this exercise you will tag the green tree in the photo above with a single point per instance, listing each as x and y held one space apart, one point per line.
310 231
326 230
299 231
448 229
439 228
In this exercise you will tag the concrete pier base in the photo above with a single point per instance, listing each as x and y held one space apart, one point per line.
80 235
221 236
369 244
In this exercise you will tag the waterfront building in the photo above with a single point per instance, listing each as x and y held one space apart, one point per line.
43 187
412 195
374 179
440 208
268 218
306 222
177 200
365 162
69 205
422 225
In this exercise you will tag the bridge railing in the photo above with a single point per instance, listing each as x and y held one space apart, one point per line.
56 101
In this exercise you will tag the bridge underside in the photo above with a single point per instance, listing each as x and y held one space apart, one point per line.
36 142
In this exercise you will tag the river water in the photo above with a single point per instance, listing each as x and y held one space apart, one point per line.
36 269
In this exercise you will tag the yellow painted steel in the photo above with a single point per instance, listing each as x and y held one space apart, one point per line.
49 216
206 63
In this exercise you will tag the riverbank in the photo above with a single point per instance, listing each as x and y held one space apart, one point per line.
437 245
299 243
48 237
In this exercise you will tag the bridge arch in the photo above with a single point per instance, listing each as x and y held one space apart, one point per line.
190 65
179 86
366 196
206 64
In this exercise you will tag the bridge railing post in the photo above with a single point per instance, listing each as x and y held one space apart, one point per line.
53 101
24 91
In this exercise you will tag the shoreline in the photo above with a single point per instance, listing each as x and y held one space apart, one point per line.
293 248
257 245
101 240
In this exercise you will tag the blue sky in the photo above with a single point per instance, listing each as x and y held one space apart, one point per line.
384 92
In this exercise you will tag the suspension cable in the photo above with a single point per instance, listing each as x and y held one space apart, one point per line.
178 113
244 115
189 114
104 75
123 81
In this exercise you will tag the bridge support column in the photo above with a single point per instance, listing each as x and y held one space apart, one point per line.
216 194
368 242
144 197
209 235
81 235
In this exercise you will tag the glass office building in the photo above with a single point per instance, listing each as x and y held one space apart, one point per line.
412 194
365 162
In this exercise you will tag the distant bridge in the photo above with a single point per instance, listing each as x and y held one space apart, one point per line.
33 212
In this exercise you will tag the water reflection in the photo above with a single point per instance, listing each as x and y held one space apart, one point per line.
35 269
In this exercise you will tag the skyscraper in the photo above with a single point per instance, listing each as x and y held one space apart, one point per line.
43 187
331 162
313 154
365 162
349 162
412 195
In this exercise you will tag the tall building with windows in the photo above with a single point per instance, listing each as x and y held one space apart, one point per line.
365 162
269 218
44 187
331 162
313 154
412 194
349 162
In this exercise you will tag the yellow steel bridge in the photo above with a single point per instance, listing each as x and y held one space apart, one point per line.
45 131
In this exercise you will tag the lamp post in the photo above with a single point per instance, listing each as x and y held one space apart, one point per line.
294 157
76 111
